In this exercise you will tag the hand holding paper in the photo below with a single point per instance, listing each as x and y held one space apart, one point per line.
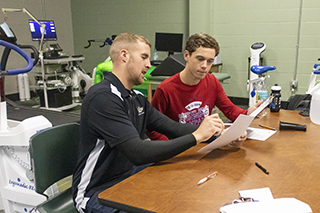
211 125
237 129
254 107
231 134
261 107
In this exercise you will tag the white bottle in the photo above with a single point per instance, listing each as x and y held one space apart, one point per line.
21 86
155 55
315 107
26 86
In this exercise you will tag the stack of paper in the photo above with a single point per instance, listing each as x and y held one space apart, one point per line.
238 128
266 204
235 131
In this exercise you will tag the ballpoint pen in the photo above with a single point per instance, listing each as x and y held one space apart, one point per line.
262 168
208 178
267 127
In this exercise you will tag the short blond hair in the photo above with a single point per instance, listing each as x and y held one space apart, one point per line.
126 41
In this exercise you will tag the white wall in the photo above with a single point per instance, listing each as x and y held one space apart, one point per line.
235 24
99 19
238 24
57 10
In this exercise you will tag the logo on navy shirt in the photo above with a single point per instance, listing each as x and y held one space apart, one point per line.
140 111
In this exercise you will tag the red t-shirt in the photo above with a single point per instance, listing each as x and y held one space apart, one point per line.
191 104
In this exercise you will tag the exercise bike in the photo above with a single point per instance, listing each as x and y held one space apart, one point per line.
16 181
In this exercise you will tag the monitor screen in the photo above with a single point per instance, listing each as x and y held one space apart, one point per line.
36 30
169 42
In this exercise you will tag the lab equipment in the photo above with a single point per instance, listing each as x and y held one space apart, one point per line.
36 30
314 90
256 84
106 41
16 182
169 42
81 81
170 66
275 105
23 86
54 52
47 27
43 26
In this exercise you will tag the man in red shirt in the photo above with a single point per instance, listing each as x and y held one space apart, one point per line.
189 96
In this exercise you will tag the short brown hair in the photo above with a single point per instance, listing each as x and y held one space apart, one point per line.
125 41
201 40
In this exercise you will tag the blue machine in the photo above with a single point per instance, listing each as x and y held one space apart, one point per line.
257 75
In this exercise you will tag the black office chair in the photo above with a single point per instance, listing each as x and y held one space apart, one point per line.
53 155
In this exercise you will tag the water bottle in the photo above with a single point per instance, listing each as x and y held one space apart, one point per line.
26 86
261 91
155 55
275 105
315 107
21 86
314 90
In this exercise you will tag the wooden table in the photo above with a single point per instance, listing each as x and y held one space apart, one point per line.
291 157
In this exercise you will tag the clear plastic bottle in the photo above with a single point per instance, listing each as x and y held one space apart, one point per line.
314 107
155 55
261 91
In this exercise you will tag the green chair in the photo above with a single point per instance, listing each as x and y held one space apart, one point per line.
53 153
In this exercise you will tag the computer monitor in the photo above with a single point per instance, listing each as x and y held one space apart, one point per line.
169 42
36 30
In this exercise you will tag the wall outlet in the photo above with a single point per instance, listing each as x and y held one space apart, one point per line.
294 85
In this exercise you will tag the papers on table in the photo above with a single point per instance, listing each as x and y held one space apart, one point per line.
259 134
266 203
238 128
235 131
262 194
279 205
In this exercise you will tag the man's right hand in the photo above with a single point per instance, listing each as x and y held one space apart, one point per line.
211 125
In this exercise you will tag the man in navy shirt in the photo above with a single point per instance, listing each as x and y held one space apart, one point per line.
114 118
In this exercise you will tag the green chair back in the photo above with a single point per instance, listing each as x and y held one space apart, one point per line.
53 154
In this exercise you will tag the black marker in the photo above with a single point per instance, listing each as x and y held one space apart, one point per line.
263 169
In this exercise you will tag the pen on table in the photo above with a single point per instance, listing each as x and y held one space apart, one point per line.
205 179
262 168
267 127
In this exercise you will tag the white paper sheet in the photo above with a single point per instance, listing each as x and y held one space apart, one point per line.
259 134
234 132
261 194
237 129
279 205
